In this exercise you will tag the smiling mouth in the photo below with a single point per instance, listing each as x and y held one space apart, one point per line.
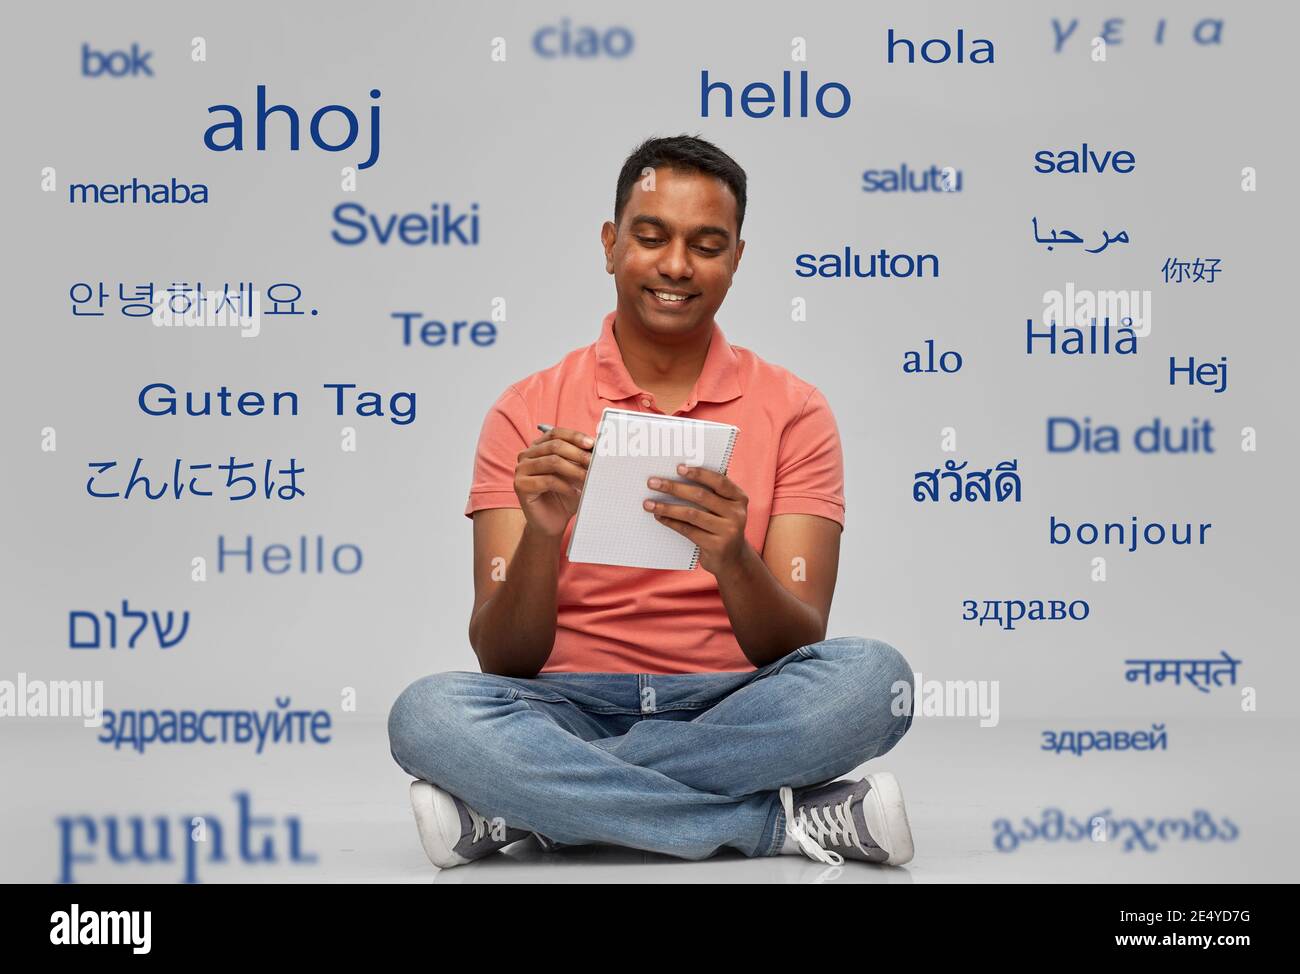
671 298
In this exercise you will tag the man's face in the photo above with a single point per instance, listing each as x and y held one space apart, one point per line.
676 241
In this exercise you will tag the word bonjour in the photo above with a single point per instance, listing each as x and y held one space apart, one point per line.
162 399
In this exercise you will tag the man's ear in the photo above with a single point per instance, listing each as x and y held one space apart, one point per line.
608 234
740 249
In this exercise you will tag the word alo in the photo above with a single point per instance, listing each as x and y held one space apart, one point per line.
235 139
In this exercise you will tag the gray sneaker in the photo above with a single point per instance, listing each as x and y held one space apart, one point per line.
862 819
451 832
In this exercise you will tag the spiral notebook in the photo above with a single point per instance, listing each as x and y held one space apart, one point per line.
611 527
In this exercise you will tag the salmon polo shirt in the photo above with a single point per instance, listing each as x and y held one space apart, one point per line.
787 459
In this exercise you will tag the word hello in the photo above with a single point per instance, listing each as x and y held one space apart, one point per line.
117 64
1069 161
413 229
936 50
138 192
904 180
279 559
161 399
235 141
435 333
109 927
581 42
1065 435
761 97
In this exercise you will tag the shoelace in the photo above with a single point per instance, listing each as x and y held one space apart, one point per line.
482 826
831 824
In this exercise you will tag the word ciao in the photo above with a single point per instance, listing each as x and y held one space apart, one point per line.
155 841
129 928
435 228
1078 742
235 139
1103 827
162 399
552 42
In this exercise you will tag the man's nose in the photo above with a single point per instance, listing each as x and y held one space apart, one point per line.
675 260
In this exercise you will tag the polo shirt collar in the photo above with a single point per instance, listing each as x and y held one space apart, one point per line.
719 380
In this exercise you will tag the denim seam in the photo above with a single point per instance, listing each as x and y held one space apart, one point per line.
777 818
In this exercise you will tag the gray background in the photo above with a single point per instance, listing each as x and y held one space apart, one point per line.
538 145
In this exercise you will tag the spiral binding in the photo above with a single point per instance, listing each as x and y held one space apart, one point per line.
722 469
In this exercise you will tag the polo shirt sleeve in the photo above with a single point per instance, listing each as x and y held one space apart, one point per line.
503 436
810 464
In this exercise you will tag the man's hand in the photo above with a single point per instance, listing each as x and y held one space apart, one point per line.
719 529
549 476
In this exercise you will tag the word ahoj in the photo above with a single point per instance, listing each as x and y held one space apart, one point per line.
235 140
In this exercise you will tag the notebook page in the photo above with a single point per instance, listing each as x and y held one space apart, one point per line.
611 527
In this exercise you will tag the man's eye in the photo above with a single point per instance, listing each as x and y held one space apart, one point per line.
711 251
649 240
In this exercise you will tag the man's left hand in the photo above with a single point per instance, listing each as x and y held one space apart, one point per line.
719 529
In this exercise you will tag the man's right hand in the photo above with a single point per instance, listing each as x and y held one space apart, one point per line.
549 476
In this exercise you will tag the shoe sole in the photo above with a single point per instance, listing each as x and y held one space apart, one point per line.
436 818
890 818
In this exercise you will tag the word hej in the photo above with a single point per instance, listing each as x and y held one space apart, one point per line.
92 641
832 99
1065 435
254 846
1104 827
977 484
162 399
235 140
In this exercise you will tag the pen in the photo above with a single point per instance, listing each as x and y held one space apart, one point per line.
545 427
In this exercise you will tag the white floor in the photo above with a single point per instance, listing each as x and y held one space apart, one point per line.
957 778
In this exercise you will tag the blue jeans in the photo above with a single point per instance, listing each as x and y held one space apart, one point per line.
683 765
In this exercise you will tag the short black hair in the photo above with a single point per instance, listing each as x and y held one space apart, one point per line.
683 153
